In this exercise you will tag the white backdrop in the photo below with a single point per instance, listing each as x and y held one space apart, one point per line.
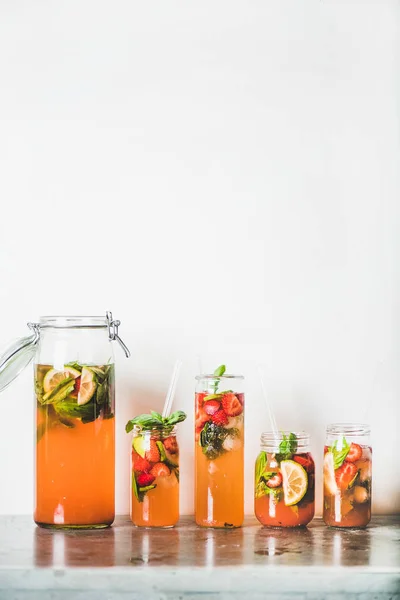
223 176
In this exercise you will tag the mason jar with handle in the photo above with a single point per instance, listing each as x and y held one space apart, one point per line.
74 386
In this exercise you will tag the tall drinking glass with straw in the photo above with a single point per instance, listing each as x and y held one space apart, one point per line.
284 475
155 463
219 456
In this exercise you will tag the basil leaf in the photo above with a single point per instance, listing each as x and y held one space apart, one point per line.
134 487
157 417
219 371
161 448
59 391
176 417
260 466
339 456
287 447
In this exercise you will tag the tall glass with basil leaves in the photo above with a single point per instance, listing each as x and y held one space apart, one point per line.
219 455
74 386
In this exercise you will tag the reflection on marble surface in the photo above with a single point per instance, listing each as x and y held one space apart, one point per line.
24 544
206 561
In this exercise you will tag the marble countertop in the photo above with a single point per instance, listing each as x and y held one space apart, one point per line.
190 562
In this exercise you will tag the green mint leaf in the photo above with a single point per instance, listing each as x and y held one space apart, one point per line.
69 409
287 447
176 471
144 421
176 417
147 488
219 371
293 443
161 448
339 456
59 391
260 466
75 365
134 487
157 417
212 397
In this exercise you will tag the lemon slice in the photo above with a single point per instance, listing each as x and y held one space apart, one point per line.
330 485
139 444
53 377
87 388
294 482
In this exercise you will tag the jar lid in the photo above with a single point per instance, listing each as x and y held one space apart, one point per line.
21 352
18 356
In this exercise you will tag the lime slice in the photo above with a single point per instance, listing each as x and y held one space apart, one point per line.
330 485
53 377
139 444
87 387
294 482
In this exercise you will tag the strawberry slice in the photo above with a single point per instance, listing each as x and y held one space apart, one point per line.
231 405
305 461
200 398
201 419
160 470
145 479
77 387
275 481
211 407
153 453
171 445
140 464
345 474
355 453
220 417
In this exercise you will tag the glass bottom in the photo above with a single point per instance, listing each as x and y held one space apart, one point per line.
284 526
227 526
346 526
154 526
54 526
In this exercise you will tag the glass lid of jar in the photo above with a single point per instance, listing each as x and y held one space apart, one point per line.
22 351
18 356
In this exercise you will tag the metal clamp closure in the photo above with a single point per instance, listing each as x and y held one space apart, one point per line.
113 333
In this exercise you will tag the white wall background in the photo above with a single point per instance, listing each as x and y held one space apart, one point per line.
223 176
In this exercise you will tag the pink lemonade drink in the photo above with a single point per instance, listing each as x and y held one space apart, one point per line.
347 476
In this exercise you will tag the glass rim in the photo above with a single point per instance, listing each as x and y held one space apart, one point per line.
225 376
353 429
273 436
73 322
138 430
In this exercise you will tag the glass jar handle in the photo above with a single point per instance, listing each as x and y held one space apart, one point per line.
36 331
113 332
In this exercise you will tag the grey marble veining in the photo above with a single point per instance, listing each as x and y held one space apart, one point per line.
189 562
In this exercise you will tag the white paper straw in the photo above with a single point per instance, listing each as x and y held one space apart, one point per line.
274 426
171 390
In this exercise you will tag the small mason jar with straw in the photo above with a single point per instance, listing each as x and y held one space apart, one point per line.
155 464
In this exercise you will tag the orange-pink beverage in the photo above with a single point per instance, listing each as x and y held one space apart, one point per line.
219 454
347 476
75 446
284 480
155 478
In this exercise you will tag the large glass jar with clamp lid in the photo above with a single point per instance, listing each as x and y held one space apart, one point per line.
74 384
